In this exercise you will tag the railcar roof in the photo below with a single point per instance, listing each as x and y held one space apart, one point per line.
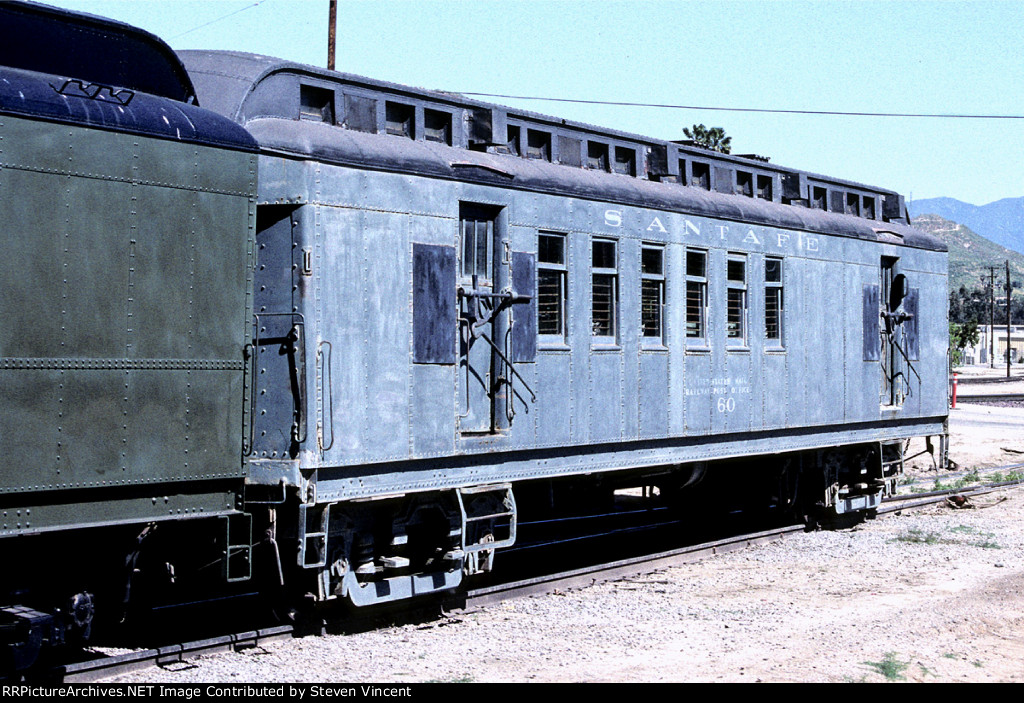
226 82
50 40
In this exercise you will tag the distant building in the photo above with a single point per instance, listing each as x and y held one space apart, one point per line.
979 353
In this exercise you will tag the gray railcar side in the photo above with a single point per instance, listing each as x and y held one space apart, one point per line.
371 383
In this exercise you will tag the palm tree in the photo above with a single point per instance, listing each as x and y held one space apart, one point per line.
709 137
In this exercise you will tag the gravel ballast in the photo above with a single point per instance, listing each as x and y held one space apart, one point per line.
933 595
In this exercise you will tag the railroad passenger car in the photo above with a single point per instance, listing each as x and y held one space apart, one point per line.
465 312
127 235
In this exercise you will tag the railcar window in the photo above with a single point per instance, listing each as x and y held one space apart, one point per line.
605 290
773 300
652 292
736 300
552 289
477 243
852 204
437 126
625 161
764 187
316 104
701 176
538 145
819 199
400 119
745 183
869 207
597 156
696 296
513 140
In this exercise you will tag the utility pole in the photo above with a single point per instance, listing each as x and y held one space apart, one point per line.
1008 291
992 317
332 22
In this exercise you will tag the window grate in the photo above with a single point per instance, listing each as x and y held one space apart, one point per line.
552 291
652 291
696 295
605 290
736 300
773 300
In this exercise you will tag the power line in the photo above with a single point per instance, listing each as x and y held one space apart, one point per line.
755 109
207 24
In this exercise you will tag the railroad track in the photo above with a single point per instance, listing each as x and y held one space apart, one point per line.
982 398
113 665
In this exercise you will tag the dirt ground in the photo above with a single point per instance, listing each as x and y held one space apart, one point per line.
928 596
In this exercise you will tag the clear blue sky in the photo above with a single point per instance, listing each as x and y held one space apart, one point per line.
887 56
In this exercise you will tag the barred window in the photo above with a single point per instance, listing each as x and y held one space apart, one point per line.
605 290
736 301
552 291
652 292
696 295
773 300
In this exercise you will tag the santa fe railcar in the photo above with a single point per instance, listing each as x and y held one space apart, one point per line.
460 308
428 316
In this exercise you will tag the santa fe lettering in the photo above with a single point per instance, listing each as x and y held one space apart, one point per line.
743 234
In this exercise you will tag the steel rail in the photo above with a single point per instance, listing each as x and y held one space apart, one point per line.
991 397
106 666
624 568
636 566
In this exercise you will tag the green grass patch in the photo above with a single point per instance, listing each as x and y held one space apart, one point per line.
983 540
987 544
465 678
890 667
964 529
917 536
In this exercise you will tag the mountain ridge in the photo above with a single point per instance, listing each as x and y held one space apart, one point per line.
970 254
1001 221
